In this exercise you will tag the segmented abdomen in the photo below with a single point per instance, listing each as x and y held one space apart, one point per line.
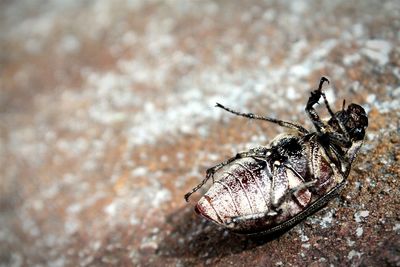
242 187
245 187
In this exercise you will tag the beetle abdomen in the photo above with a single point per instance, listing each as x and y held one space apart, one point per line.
263 187
240 188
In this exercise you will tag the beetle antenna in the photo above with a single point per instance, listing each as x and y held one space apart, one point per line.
344 103
286 124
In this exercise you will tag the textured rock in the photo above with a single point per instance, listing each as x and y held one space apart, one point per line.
107 120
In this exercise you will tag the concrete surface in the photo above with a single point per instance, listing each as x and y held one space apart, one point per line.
108 119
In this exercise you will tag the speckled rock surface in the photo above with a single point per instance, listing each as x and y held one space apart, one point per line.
108 119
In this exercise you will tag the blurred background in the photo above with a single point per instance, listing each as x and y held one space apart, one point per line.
107 119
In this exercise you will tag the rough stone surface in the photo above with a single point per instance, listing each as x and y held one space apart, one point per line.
107 120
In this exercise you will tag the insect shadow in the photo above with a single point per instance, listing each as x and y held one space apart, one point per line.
191 236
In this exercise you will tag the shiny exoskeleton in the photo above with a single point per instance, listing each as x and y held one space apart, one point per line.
270 188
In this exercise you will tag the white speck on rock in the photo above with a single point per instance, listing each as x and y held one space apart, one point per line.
213 156
300 71
129 38
71 226
361 214
299 7
324 49
396 227
111 209
396 72
69 44
358 30
139 171
164 158
396 92
149 246
160 197
264 61
378 51
350 242
371 98
60 262
349 60
292 94
96 245
180 155
87 261
298 48
327 220
353 254
37 205
133 220
304 238
74 208
16 260
359 231
29 226
269 15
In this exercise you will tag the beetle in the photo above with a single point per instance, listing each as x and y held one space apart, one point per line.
271 188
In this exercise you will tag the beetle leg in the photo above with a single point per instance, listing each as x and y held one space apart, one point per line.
341 126
209 174
342 163
211 171
302 186
281 185
231 222
312 113
335 154
339 139
282 123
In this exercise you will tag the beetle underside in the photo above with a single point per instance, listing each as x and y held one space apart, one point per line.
270 188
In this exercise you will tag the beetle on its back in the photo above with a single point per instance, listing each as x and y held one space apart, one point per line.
267 189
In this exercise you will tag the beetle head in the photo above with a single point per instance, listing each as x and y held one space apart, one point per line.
354 119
